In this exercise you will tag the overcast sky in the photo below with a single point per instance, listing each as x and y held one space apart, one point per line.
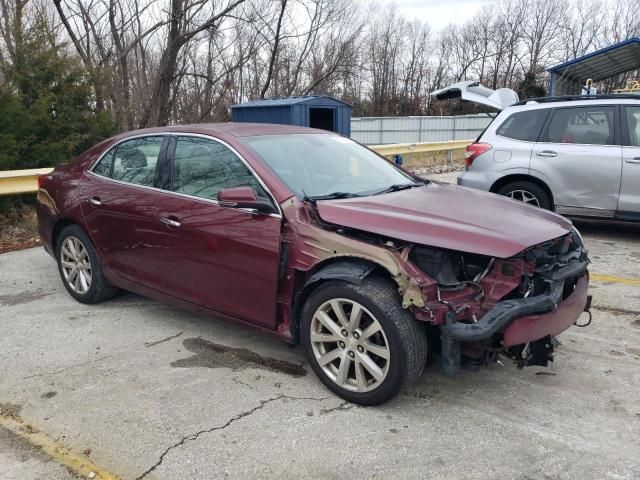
439 13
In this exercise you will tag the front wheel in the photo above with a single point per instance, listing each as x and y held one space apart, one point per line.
527 192
360 341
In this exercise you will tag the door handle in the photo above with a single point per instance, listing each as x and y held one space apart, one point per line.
95 201
170 222
546 153
633 160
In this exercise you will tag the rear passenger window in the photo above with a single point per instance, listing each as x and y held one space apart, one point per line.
524 126
132 161
105 165
203 167
582 125
632 115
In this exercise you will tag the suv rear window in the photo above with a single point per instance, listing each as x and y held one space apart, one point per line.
523 126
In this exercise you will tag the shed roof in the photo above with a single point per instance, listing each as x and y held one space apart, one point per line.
605 63
285 101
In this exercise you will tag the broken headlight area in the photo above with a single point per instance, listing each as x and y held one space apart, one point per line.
489 306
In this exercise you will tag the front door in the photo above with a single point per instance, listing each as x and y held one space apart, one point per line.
121 211
629 204
580 156
223 258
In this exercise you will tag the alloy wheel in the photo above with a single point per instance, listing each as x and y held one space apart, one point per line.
524 197
76 265
350 345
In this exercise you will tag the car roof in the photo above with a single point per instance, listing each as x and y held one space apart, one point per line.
228 129
578 101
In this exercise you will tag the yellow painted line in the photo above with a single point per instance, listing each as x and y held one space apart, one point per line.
77 463
601 277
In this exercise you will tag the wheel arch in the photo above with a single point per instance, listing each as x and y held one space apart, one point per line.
349 269
58 227
520 177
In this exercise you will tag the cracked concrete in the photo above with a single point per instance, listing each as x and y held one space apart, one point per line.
240 416
61 370
166 339
118 397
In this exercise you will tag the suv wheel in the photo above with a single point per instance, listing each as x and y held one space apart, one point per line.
527 192
79 267
360 341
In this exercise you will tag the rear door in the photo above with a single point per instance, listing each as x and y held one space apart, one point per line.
580 156
514 140
629 203
223 258
120 208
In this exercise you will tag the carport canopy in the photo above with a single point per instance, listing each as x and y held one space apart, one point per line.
569 77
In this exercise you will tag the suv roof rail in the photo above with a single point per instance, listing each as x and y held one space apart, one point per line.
569 98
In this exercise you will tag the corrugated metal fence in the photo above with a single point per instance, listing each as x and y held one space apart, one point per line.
381 130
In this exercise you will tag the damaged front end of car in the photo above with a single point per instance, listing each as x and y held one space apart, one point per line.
481 306
548 291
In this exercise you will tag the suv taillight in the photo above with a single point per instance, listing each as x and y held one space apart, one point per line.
473 151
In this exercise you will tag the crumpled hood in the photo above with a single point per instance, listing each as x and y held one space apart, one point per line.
452 217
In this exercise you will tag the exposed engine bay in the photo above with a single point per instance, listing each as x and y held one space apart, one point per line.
477 297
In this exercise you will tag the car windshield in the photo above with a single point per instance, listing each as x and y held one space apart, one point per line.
320 166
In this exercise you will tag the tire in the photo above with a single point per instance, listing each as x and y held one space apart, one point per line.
76 253
400 338
521 190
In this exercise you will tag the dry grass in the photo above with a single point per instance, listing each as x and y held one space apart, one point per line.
417 161
19 229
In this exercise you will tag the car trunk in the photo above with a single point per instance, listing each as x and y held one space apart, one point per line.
476 93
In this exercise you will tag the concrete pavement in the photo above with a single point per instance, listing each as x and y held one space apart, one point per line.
151 391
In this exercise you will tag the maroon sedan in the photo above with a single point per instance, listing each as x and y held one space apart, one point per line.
314 238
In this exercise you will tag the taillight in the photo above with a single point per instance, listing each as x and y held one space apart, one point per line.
473 151
41 180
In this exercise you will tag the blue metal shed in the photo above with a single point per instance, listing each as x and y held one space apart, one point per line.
313 111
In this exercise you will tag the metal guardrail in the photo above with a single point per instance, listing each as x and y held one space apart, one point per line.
405 148
15 182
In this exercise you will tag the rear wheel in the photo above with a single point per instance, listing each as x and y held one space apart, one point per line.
360 341
527 192
79 267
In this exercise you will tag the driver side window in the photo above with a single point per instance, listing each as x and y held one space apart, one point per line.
203 167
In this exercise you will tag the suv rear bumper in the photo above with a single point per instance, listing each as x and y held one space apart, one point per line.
478 179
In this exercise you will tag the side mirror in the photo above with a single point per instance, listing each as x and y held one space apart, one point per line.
244 197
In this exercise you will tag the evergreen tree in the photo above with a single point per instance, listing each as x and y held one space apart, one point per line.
47 112
529 87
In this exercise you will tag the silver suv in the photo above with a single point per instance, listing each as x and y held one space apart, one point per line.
579 156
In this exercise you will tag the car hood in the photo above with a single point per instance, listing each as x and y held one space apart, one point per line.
447 216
